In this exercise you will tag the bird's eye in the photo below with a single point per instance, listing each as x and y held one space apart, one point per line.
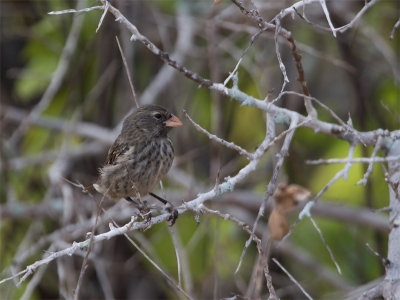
157 116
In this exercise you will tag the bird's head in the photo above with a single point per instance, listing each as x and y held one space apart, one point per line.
153 120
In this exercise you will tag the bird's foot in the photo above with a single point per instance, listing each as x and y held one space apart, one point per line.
145 212
173 213
169 207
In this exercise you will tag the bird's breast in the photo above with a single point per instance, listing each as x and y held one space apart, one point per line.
154 162
139 169
164 158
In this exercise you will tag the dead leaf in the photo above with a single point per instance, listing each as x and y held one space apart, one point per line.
286 198
289 196
278 225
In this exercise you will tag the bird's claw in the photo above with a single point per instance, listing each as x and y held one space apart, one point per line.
145 213
173 214
172 217
147 217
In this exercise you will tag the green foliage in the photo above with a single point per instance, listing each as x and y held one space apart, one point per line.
16 293
380 191
42 57
201 108
214 246
38 139
388 94
27 185
12 234
167 6
305 138
389 91
250 128
345 191
356 261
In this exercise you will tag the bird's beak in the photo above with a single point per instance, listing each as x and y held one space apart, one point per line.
173 122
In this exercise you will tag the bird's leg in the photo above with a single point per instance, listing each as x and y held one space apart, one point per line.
143 208
145 212
169 207
130 199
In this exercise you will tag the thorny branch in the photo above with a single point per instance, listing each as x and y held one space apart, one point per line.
127 72
395 27
368 160
292 278
343 130
169 278
227 185
368 138
272 183
56 79
213 137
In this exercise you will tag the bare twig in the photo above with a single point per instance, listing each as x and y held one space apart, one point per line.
342 173
331 112
272 183
33 283
235 220
255 15
328 17
56 78
322 127
367 160
301 4
185 32
345 131
301 46
297 58
395 27
84 129
252 237
296 6
370 165
271 289
357 16
104 280
127 72
105 8
292 278
231 74
252 12
306 211
89 248
213 137
326 245
170 280
391 282
278 54
177 250
302 257
383 260
136 35
74 11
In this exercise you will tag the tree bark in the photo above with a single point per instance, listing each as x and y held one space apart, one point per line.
391 288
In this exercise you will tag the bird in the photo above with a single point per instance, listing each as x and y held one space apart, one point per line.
140 157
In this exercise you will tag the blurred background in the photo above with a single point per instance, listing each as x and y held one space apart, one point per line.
64 93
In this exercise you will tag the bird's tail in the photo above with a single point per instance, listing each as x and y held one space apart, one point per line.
89 189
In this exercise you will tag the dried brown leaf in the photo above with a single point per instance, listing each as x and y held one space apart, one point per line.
278 225
289 196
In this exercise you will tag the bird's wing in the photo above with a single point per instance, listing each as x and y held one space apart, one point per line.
118 151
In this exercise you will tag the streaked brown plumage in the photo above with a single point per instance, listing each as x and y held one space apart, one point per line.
140 156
